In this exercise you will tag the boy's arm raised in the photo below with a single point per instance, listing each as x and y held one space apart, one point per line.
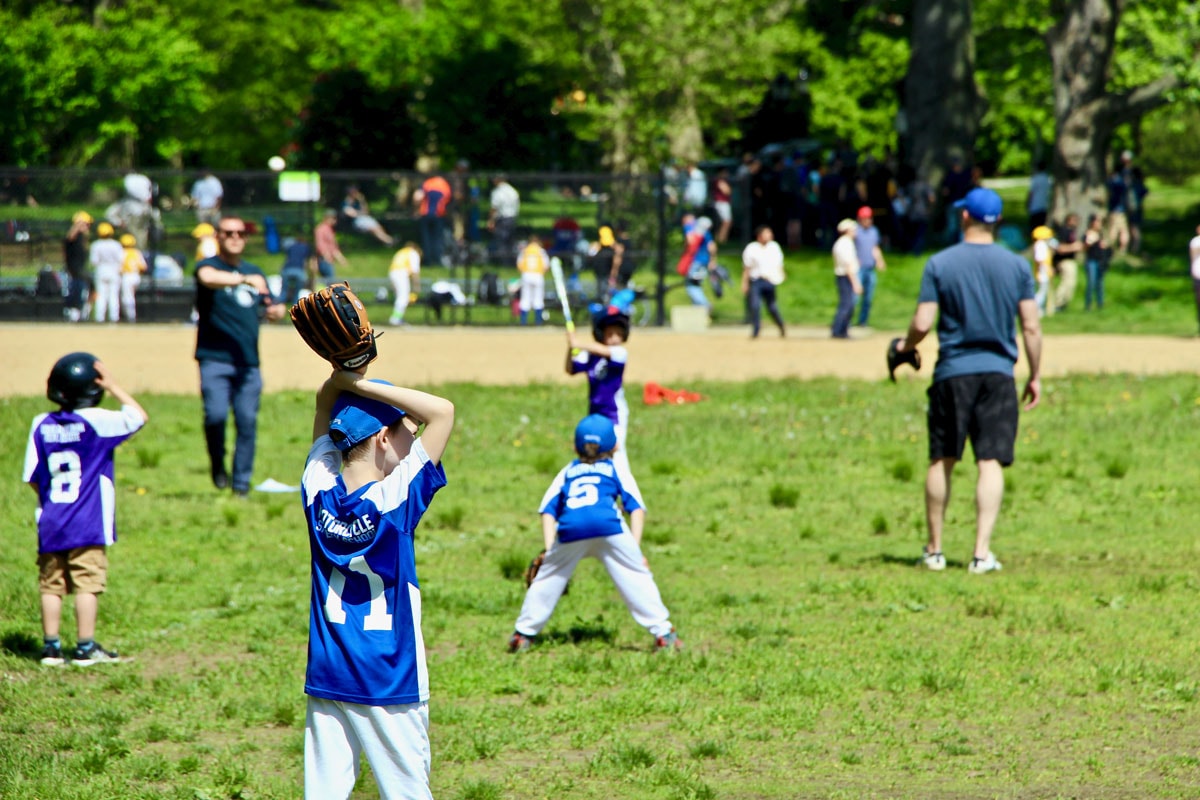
436 413
106 382
326 396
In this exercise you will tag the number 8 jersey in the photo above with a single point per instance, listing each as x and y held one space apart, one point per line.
69 460
364 639
583 498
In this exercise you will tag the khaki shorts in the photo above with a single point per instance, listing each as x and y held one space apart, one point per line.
84 569
1118 226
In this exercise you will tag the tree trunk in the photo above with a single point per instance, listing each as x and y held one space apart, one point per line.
1085 113
943 104
686 137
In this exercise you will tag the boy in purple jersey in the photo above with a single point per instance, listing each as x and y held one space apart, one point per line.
581 517
69 463
603 360
367 482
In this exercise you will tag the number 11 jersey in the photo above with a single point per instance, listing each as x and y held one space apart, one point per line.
364 640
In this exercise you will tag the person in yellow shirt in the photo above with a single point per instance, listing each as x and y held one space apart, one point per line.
532 263
131 276
206 241
405 275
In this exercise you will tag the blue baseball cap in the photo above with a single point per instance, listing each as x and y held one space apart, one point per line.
983 205
595 429
355 418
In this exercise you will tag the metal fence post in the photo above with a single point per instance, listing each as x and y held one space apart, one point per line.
660 316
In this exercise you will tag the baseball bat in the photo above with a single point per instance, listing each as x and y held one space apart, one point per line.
560 288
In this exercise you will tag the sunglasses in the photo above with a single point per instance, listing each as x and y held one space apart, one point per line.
239 234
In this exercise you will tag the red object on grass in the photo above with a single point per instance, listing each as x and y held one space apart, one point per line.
653 394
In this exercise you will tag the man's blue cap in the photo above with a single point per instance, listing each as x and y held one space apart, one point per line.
983 205
595 429
355 418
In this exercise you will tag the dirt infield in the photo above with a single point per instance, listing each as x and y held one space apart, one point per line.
158 358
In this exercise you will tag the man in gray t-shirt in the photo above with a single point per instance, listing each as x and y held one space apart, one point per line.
976 290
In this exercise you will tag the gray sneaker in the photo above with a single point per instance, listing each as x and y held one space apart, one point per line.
93 655
933 561
981 566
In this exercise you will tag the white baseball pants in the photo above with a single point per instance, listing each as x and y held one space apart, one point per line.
108 292
129 283
533 292
402 288
395 740
621 556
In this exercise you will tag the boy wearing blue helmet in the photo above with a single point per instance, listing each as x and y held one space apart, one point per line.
581 517
603 361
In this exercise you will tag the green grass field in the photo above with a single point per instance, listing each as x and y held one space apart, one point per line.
784 520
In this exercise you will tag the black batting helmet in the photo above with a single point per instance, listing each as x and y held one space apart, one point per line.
72 382
611 315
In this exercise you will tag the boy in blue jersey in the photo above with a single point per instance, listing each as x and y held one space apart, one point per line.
581 517
69 463
367 482
603 361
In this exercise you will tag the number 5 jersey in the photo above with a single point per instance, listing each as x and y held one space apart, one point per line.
364 641
583 498
69 460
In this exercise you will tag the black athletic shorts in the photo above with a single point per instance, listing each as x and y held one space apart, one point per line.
982 408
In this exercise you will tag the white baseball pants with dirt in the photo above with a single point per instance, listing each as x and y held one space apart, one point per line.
108 292
395 740
621 556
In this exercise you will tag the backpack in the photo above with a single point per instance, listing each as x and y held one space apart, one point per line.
48 283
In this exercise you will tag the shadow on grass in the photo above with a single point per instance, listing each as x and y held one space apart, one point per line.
21 645
581 632
887 559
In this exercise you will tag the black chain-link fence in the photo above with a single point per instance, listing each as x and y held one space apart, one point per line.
473 237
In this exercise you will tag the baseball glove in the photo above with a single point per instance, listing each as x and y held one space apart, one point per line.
896 357
333 323
532 570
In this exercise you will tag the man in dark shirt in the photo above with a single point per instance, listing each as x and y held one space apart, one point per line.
75 256
231 299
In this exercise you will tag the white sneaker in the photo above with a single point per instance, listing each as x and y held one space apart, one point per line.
980 566
933 561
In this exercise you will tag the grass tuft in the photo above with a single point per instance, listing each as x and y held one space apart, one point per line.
784 496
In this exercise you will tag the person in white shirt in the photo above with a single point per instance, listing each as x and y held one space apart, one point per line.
502 220
106 256
845 271
1194 257
762 271
207 193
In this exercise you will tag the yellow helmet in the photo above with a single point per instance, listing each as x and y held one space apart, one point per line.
128 240
202 230
1042 232
81 216
104 230
606 236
